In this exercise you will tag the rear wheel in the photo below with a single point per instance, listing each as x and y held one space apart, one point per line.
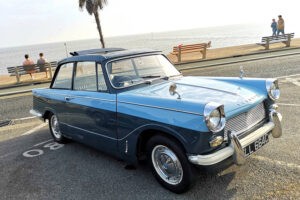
55 130
169 164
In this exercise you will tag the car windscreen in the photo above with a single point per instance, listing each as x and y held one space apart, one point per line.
137 70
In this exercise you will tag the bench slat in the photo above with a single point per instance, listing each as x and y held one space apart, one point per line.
22 70
181 49
267 40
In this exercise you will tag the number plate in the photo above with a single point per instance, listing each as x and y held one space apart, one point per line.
250 149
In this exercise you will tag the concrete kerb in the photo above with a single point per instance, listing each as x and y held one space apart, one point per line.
24 84
24 120
18 121
15 92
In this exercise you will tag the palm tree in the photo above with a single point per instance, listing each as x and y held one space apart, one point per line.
92 7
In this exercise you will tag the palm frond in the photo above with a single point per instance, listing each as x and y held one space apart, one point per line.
81 4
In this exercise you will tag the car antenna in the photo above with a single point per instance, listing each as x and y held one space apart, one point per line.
242 72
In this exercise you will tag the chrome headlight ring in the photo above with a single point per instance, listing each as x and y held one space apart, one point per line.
214 116
273 89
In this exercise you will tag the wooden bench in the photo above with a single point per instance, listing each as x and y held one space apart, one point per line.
285 38
23 70
190 48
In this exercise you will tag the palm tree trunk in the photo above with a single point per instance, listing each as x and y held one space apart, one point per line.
99 28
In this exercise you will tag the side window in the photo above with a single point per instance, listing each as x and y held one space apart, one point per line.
85 76
101 81
63 79
122 73
123 67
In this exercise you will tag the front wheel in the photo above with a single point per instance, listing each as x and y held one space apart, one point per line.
55 130
169 164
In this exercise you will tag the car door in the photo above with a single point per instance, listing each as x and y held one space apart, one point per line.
60 91
92 108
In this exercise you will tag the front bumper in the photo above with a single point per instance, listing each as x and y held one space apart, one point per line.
236 147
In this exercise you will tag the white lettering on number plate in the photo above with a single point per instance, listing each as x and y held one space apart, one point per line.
248 150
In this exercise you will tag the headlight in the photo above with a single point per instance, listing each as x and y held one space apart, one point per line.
214 116
273 89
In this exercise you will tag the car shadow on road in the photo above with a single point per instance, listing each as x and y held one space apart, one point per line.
76 171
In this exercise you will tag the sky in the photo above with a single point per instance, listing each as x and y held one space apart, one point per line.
25 22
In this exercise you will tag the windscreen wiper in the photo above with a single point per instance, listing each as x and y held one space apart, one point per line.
168 77
151 76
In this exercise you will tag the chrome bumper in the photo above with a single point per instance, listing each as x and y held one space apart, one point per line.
236 146
35 113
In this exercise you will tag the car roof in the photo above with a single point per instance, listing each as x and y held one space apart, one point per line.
106 54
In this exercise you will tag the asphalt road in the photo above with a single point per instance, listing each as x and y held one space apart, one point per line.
16 106
32 167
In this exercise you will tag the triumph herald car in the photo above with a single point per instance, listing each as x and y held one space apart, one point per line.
135 105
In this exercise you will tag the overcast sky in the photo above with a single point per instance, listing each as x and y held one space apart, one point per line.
26 22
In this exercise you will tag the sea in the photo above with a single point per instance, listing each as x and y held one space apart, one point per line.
220 36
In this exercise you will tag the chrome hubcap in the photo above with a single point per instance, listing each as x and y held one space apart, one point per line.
55 127
167 165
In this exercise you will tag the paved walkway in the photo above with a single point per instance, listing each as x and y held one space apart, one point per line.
237 59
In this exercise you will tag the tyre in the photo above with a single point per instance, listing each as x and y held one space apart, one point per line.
55 130
170 164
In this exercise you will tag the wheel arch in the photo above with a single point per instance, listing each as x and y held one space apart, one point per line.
147 134
47 113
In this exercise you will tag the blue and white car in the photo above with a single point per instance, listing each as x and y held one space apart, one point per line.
135 105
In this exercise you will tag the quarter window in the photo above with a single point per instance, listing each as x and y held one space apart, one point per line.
85 76
101 81
63 79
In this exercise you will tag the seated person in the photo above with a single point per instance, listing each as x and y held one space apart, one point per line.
41 64
28 66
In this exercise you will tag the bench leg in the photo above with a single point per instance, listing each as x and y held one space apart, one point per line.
50 72
18 78
179 55
288 42
267 46
17 74
203 53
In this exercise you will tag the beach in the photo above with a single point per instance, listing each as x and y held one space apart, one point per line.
212 53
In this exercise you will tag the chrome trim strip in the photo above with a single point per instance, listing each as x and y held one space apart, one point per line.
158 107
75 96
93 98
94 133
98 134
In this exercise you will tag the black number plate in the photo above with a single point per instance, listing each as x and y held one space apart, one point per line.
250 149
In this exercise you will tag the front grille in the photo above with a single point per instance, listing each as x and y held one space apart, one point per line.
245 121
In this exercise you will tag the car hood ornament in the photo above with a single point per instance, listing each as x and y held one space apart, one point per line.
172 90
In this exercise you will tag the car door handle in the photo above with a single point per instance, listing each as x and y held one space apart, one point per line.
68 98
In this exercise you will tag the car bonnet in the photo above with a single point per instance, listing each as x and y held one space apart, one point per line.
195 93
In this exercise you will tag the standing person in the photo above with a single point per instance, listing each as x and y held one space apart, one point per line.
280 25
41 64
28 66
274 27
